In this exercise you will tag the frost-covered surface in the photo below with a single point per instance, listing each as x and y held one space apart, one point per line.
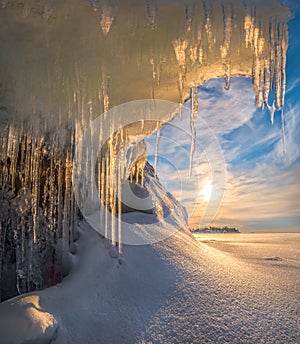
177 291
227 296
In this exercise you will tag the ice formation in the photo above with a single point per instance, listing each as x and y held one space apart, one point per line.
194 116
107 18
38 209
158 131
64 65
225 47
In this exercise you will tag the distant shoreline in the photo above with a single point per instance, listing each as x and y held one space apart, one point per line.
216 230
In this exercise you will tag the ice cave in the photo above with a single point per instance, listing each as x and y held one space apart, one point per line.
63 65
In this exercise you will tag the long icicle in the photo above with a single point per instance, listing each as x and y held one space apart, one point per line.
112 186
158 133
106 195
119 209
193 119
102 194
119 188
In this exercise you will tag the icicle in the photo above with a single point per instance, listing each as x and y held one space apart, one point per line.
258 81
105 90
208 26
136 173
35 189
108 16
201 56
284 47
113 218
107 195
181 85
99 175
271 109
225 47
112 190
153 68
121 171
138 169
53 195
193 54
180 111
188 19
131 177
249 30
158 133
278 68
67 204
227 77
143 172
156 70
102 192
193 119
60 182
267 80
90 161
180 46
120 208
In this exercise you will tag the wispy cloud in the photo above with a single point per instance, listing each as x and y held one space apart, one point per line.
251 198
262 183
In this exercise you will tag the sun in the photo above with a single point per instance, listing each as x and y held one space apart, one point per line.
206 192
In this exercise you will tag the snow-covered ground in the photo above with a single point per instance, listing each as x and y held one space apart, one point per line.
177 291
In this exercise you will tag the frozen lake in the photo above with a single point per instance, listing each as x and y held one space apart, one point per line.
219 289
237 288
268 250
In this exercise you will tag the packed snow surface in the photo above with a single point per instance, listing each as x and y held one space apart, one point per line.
212 289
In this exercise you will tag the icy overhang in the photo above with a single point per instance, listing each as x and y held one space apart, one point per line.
66 60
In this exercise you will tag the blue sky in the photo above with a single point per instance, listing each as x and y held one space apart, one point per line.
261 192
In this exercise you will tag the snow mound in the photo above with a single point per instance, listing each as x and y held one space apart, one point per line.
104 291
23 320
106 298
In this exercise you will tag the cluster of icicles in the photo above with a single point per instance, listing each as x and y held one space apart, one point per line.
269 49
119 161
266 38
38 210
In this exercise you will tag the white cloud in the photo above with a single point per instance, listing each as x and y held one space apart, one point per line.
261 185
261 196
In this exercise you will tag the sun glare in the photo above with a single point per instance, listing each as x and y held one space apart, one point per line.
206 192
